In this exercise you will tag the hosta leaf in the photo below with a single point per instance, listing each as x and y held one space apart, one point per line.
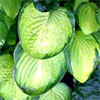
6 69
3 33
81 57
8 88
87 18
60 92
78 2
11 7
36 76
44 35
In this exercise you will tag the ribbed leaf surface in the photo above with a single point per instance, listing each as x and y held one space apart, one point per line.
8 88
60 92
36 76
43 34
82 56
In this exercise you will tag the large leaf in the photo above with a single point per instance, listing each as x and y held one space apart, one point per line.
60 92
8 88
78 2
89 90
3 33
11 7
81 56
87 18
44 34
36 76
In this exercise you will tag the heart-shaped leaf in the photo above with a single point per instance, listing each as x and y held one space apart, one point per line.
44 35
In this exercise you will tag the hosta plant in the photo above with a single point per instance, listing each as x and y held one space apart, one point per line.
44 42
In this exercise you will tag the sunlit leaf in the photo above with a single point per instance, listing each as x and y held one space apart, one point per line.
81 56
44 35
36 76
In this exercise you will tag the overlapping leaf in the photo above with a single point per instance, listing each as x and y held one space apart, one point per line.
60 92
44 35
81 56
36 76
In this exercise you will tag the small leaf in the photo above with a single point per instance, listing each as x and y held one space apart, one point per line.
87 18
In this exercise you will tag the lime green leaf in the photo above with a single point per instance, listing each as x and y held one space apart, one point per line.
81 57
8 88
87 18
11 7
36 76
6 64
60 92
3 33
44 35
78 2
